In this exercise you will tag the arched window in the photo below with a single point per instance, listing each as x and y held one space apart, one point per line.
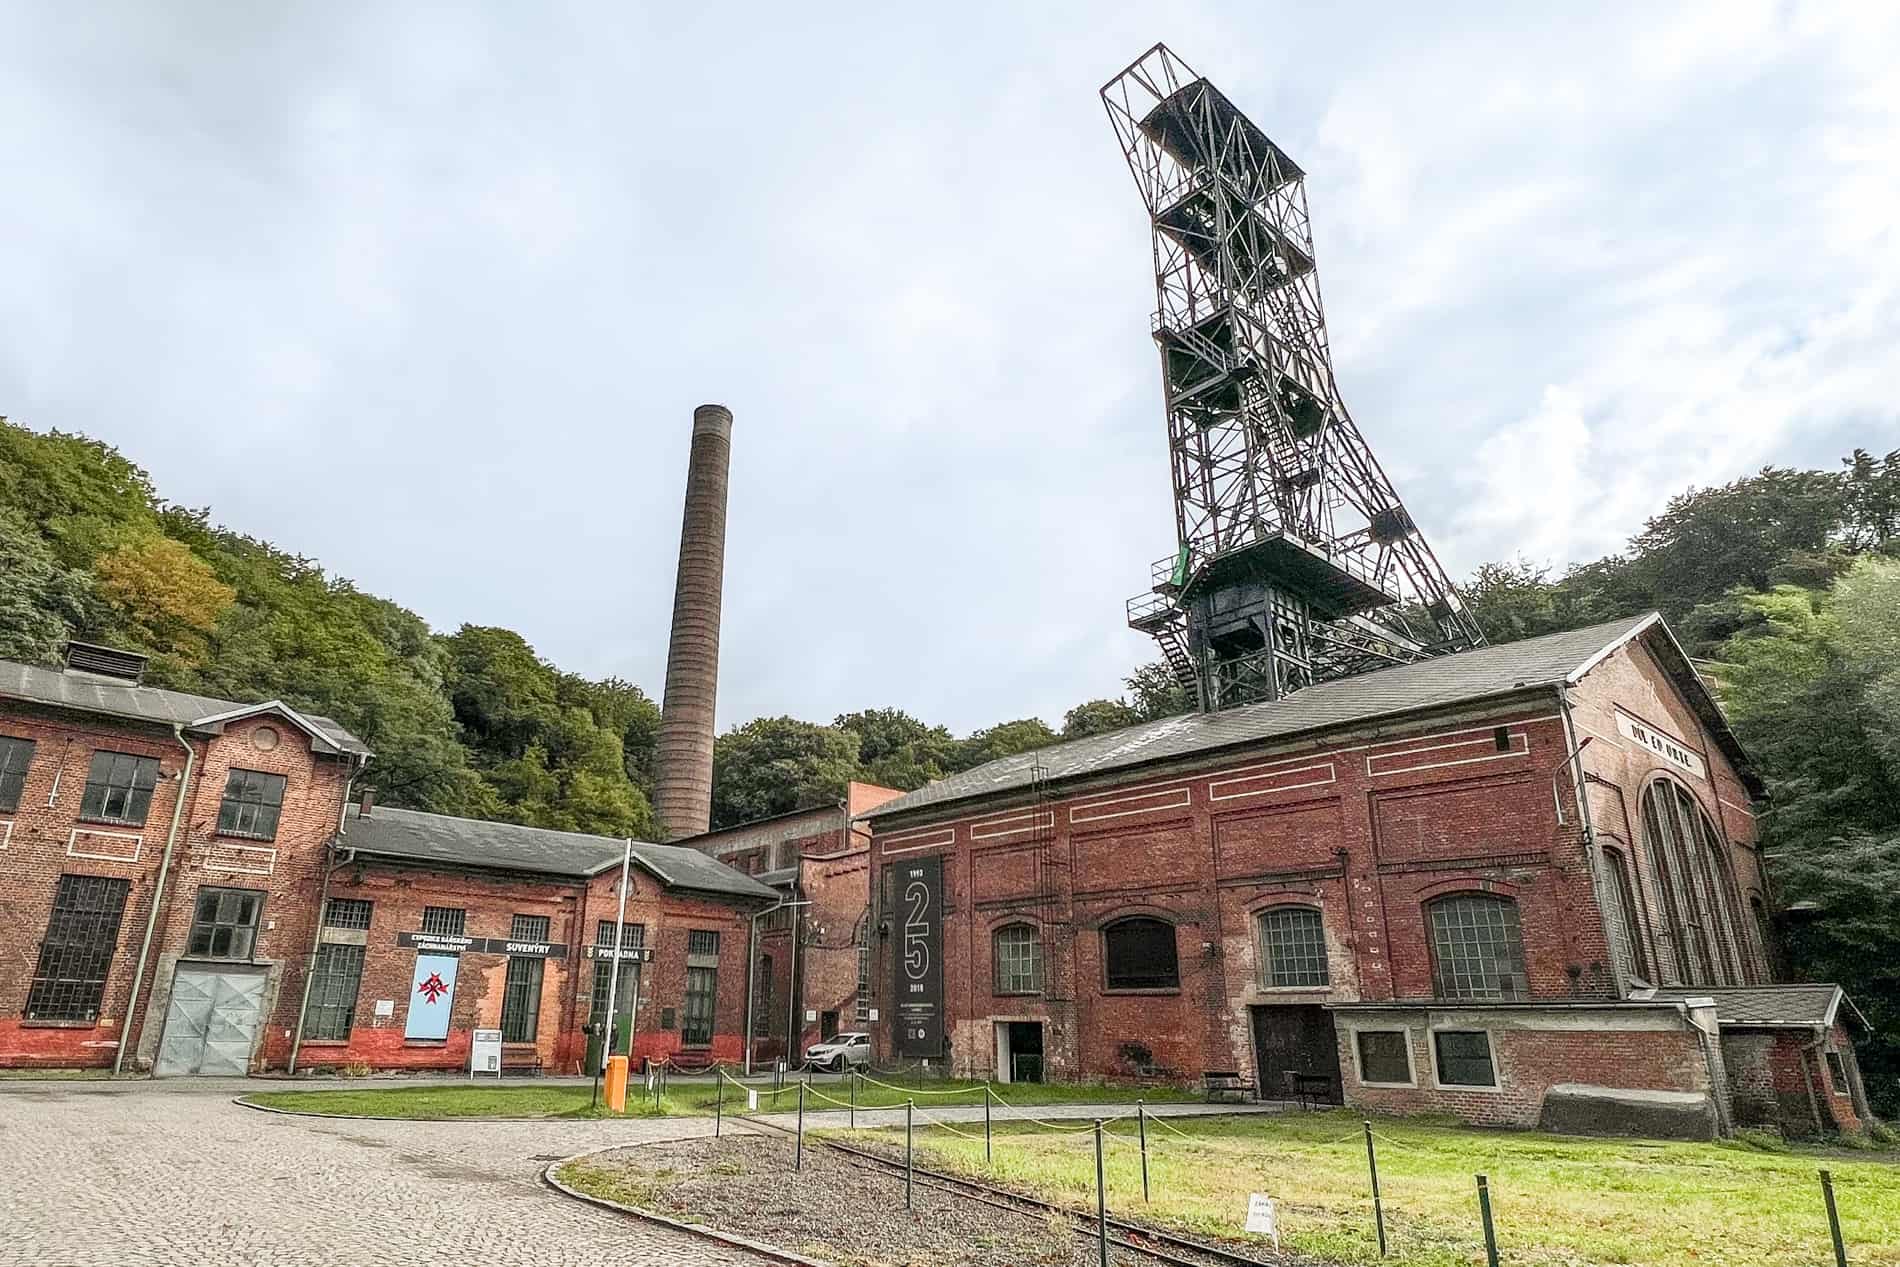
1292 947
1016 955
1477 948
1758 908
1138 954
1624 921
1686 851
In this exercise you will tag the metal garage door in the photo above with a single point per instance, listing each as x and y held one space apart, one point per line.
211 1022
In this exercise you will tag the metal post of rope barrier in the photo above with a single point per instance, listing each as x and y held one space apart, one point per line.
854 1099
798 1156
1101 1198
1833 1219
909 1106
1490 1235
1141 1124
988 1156
1378 1210
719 1101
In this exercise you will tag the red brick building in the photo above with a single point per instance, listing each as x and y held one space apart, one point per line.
164 858
1514 884
812 967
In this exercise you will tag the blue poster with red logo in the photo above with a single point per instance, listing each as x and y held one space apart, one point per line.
430 995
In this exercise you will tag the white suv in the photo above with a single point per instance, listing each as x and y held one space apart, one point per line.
840 1052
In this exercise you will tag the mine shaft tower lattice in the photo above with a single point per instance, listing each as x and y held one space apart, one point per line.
1296 562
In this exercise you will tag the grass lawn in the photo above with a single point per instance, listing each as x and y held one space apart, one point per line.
682 1097
1556 1200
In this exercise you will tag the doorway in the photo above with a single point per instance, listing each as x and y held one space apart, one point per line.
1019 1051
210 1022
628 989
1298 1041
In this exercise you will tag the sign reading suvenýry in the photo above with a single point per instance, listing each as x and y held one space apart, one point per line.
435 943
920 957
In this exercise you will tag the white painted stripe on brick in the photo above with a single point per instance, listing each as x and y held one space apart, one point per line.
1215 794
268 861
1512 737
997 829
1178 798
74 851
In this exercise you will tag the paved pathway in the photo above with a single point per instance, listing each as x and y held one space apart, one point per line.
173 1173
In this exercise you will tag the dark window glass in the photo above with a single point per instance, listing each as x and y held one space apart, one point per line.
1017 958
696 1026
15 756
861 1012
528 928
762 1011
77 950
1464 1058
1626 929
1837 1072
1140 955
346 912
1765 931
252 802
1292 946
444 921
634 934
521 999
700 941
333 987
224 923
119 788
1477 949
1384 1055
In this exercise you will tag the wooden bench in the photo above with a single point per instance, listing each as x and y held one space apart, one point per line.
1227 1084
1309 1087
521 1059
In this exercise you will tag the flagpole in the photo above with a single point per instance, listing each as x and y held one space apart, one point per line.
613 975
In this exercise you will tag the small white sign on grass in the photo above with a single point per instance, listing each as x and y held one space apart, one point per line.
1261 1218
751 1101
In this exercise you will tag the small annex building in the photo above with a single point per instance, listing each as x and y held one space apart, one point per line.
1518 884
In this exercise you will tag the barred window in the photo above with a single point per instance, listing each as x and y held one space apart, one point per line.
346 912
702 987
224 923
76 953
1292 947
1140 955
15 756
702 941
1477 948
334 983
119 788
1464 1058
444 921
1017 956
634 934
862 1012
521 999
528 928
252 802
762 1014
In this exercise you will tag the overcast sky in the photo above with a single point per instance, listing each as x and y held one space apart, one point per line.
430 294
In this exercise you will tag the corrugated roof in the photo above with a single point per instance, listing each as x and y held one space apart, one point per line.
1769 1006
1405 688
91 693
445 840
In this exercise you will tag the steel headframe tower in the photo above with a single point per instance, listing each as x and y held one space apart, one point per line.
1296 561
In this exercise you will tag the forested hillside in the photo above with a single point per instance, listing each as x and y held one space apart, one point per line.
1784 585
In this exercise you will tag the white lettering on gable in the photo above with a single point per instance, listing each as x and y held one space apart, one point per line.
1674 751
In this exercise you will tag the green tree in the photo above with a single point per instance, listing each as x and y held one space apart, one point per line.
167 597
1156 693
1871 493
1005 739
1708 540
1098 716
1513 600
43 602
775 765
896 749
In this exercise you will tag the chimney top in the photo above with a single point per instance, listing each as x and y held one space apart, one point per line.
368 803
90 657
713 419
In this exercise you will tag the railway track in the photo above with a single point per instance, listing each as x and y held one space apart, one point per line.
1129 1237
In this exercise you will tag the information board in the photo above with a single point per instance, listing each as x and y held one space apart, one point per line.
919 957
484 1053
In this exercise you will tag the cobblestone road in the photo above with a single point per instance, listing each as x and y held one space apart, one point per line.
174 1173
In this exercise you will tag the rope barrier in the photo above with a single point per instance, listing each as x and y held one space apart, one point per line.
933 1118
917 1090
843 1104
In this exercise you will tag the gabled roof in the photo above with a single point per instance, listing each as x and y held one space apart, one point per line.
1769 1006
1483 673
444 840
92 693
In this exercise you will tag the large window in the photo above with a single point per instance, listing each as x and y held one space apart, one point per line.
15 756
762 1008
1139 955
76 954
1292 947
224 923
861 1013
333 987
119 788
346 912
1016 954
702 987
1624 921
521 992
1385 1056
252 802
1685 850
444 921
1464 1058
1477 948
632 935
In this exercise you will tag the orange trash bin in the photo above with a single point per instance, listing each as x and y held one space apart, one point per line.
617 1083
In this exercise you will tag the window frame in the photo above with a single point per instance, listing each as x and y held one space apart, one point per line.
1836 1072
246 789
521 998
1263 950
16 762
1359 1057
336 906
1629 915
690 1018
1032 944
1174 941
212 925
323 1011
89 812
1440 976
436 915
1495 1086
95 955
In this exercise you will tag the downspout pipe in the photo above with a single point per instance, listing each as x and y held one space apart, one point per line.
158 896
